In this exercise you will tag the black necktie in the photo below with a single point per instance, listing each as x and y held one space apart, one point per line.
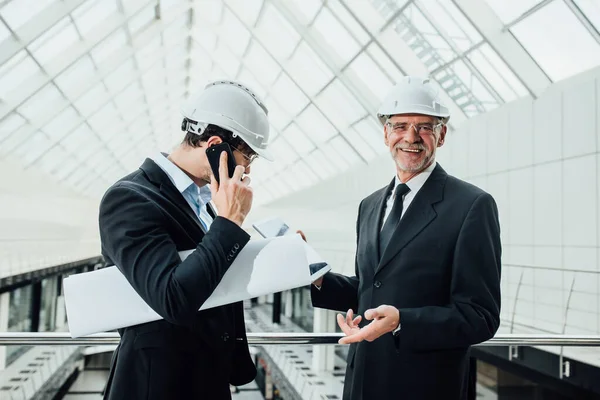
393 219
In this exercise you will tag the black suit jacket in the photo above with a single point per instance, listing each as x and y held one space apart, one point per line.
144 222
442 271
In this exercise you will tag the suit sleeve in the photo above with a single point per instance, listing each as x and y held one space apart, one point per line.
338 292
473 316
134 236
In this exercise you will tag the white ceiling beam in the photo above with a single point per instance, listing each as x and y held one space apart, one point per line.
489 25
35 27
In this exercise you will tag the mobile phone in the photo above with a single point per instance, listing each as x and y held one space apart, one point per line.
213 153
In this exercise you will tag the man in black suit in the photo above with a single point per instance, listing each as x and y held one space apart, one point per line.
163 208
427 266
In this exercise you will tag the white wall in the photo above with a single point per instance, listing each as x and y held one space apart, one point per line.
42 223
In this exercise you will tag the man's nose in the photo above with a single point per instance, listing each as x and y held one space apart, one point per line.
412 136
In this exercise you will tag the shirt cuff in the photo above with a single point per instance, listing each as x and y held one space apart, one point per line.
395 331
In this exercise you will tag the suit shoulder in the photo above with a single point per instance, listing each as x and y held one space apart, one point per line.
375 195
131 183
463 188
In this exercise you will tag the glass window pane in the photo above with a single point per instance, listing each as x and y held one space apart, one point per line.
91 13
363 66
368 15
15 71
92 100
340 106
497 73
372 132
32 148
10 124
303 169
209 11
591 9
276 33
234 33
336 35
70 80
334 156
62 124
247 10
320 164
451 22
289 95
4 32
226 59
508 11
143 18
104 117
261 64
302 144
345 150
308 70
349 21
308 9
52 159
54 42
560 52
108 46
281 146
359 143
390 69
315 125
16 13
38 105
118 79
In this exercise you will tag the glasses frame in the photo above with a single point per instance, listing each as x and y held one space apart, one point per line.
250 158
417 127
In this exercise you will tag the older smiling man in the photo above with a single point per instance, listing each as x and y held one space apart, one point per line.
427 266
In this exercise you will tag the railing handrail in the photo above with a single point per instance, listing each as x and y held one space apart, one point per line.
112 338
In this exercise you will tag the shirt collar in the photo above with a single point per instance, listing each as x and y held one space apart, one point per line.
417 182
179 178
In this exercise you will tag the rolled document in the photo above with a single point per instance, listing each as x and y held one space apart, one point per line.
103 300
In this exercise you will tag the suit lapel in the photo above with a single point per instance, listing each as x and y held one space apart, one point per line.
160 178
374 216
419 214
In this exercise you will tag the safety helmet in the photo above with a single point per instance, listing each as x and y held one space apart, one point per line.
232 106
412 95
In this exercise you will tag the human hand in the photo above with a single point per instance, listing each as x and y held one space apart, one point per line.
384 319
232 196
349 325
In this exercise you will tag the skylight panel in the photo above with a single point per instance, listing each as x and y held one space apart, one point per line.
62 124
308 9
92 13
348 21
508 11
315 125
591 9
108 46
15 72
234 33
365 68
294 135
340 106
92 99
306 68
289 95
247 10
560 52
10 124
143 18
336 35
70 80
276 33
18 12
54 42
38 105
261 64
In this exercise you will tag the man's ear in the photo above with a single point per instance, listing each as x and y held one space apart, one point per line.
442 136
385 135
213 140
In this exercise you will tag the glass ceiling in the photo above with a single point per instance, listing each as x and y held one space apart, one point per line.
88 89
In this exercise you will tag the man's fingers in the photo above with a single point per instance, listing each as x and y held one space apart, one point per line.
356 337
214 186
372 314
238 172
342 324
246 181
357 320
349 317
223 175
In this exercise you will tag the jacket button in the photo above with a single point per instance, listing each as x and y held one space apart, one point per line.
377 284
225 336
236 246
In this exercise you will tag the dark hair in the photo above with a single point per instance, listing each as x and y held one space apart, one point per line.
194 140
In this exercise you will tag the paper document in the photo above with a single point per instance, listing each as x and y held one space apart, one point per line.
103 300
275 226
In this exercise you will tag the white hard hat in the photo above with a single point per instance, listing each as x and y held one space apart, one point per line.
232 106
412 95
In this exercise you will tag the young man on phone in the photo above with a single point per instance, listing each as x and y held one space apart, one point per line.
163 208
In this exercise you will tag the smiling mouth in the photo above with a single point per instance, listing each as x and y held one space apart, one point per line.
411 150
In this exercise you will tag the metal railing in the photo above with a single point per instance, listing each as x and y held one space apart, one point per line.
63 338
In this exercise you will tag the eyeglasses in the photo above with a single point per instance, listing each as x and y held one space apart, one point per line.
250 157
421 129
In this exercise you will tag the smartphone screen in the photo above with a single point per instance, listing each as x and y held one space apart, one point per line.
213 153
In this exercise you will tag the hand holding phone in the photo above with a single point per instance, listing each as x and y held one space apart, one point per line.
213 153
232 195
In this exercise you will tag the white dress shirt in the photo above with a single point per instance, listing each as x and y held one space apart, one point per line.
197 197
415 184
